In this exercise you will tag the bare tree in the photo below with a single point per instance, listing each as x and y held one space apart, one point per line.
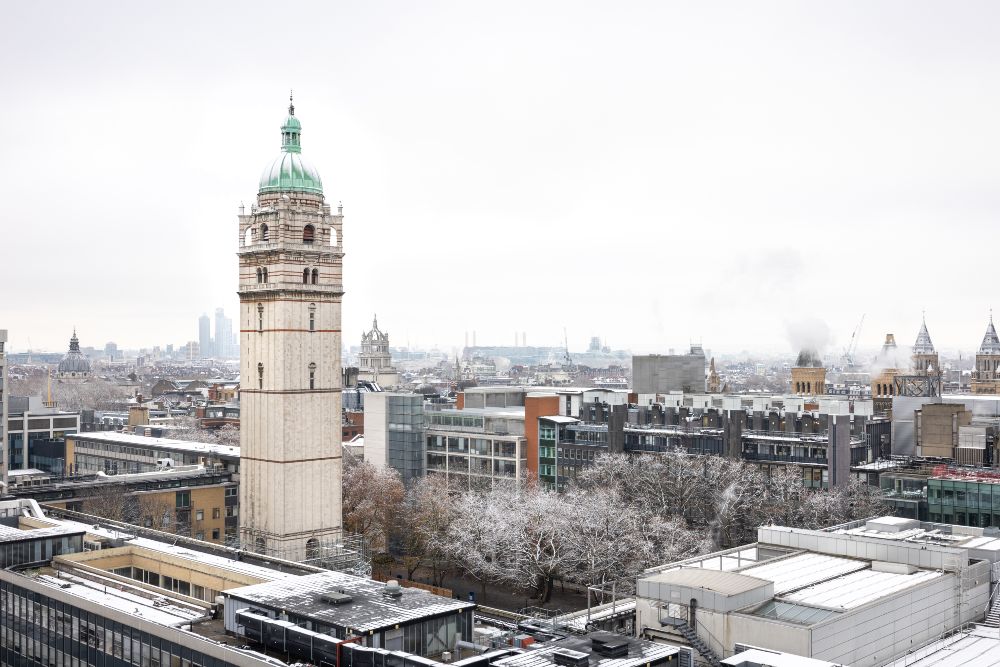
429 513
94 394
157 511
372 500
111 501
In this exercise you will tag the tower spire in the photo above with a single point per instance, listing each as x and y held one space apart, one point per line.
291 105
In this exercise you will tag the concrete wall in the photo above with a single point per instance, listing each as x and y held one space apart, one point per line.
376 429
939 424
903 425
723 631
889 628
708 599
927 556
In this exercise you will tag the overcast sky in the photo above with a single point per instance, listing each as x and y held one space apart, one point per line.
651 173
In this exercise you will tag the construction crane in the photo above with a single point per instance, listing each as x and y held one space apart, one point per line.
848 359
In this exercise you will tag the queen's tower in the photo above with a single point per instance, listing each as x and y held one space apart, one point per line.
291 269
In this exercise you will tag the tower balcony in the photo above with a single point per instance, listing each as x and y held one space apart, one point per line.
288 246
249 289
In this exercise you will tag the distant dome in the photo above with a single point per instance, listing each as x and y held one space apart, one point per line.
289 172
74 364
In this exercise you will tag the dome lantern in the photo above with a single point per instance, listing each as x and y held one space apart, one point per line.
289 172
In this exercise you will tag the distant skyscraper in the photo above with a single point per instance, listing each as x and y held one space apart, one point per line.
223 334
205 335
290 289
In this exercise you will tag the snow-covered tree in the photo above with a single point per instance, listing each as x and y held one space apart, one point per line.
372 500
429 512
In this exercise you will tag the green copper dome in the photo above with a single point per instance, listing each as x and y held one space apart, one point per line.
289 172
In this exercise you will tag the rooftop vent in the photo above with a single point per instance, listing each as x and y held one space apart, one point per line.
336 597
393 589
569 658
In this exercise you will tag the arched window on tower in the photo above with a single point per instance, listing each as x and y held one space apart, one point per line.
308 234
312 548
260 545
312 376
260 375
260 318
305 276
312 317
264 274
260 278
264 237
248 236
315 276
333 236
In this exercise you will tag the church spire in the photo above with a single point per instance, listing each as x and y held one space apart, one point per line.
923 344
991 343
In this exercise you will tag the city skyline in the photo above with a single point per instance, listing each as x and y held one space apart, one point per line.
500 156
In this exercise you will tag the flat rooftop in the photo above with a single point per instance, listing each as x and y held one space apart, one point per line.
726 583
640 653
370 608
755 657
899 529
166 444
978 647
858 588
157 608
179 551
803 570
11 534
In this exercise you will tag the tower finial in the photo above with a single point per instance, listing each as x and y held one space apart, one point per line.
291 106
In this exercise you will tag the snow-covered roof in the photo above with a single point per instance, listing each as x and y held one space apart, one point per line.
166 444
805 569
158 609
858 588
978 647
370 609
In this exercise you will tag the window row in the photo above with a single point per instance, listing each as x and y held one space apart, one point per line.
260 317
312 375
262 234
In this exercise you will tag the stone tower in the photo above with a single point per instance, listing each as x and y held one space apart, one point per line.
714 381
290 289
808 374
986 377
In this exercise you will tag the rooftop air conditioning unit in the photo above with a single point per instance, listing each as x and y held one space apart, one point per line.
336 598
569 658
